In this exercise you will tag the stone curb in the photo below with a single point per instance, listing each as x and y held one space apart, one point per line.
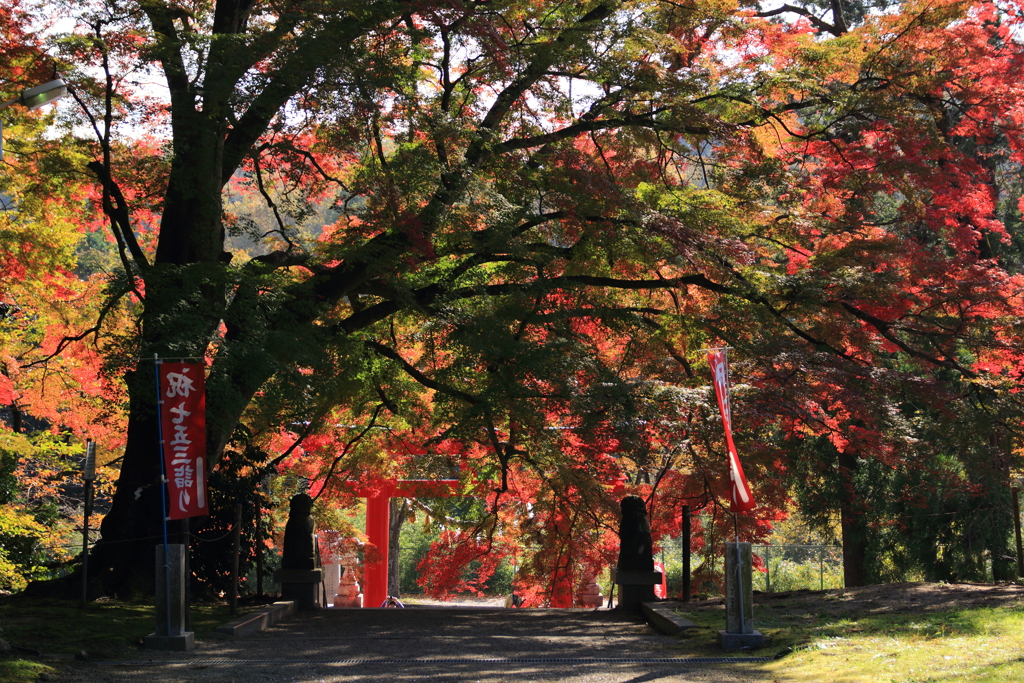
663 617
254 622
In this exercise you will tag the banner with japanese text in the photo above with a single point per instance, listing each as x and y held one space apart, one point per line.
183 425
742 499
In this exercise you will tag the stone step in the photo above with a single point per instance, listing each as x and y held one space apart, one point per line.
662 616
254 622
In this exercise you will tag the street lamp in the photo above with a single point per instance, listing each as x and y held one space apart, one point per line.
33 98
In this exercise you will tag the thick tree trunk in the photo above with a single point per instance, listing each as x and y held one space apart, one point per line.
399 509
191 227
124 556
183 309
854 526
1003 568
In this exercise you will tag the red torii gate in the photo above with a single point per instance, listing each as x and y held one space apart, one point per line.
378 518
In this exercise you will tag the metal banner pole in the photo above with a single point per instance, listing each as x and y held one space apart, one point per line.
686 553
735 516
163 489
1016 531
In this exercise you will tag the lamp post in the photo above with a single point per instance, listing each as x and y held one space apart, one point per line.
33 98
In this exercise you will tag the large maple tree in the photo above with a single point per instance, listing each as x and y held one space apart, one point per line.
543 211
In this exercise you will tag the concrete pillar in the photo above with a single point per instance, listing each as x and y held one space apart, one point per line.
171 607
739 593
739 600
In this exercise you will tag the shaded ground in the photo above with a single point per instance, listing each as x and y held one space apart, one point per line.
457 644
890 598
903 597
839 635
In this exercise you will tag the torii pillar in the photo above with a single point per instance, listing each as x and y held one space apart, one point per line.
378 522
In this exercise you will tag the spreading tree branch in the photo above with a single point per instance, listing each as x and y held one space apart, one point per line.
884 328
348 446
423 379
116 208
837 29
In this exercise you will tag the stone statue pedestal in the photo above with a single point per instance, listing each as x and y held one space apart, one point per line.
303 586
635 587
634 571
739 600
300 575
348 601
171 610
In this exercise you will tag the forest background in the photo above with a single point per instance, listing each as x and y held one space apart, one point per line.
410 239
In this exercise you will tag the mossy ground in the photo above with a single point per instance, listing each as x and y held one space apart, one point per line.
103 630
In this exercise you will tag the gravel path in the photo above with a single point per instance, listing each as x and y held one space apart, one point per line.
421 643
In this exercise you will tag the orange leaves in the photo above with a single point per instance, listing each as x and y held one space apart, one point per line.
780 43
51 370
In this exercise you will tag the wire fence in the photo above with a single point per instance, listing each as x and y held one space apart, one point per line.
782 567
792 567
779 568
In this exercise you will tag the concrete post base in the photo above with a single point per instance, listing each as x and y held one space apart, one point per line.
739 592
736 641
184 642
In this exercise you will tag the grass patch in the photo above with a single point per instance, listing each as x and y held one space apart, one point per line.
104 630
22 671
977 644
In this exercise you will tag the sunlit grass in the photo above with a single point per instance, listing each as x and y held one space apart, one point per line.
974 644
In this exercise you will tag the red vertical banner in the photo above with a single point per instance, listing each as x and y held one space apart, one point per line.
742 499
183 420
